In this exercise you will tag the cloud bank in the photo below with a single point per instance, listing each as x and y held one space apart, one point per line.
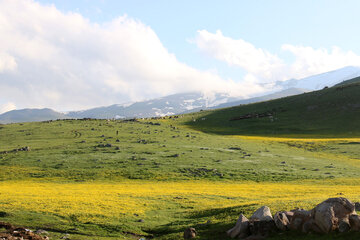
265 67
62 60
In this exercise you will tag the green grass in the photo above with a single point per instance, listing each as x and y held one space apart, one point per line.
177 149
332 112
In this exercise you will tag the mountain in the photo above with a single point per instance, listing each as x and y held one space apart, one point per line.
276 95
351 81
168 105
320 81
184 102
329 112
30 115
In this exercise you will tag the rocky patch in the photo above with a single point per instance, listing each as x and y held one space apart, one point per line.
332 215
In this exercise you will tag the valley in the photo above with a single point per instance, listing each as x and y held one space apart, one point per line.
127 179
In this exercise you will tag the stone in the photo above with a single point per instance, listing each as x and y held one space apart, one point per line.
262 228
298 219
327 215
262 214
354 221
357 206
252 237
241 228
40 231
310 226
344 225
190 233
281 221
289 215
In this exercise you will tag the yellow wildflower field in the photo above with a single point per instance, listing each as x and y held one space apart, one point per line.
98 201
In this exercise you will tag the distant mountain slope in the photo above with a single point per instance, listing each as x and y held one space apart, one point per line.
331 112
184 102
168 105
354 80
320 81
30 115
281 94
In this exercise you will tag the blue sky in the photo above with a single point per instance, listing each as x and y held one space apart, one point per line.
266 24
136 50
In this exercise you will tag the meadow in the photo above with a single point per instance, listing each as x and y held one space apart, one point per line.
100 179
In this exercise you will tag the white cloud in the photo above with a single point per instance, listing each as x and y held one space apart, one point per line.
7 62
237 52
310 61
64 61
265 67
7 107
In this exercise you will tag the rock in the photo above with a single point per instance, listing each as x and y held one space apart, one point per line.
252 237
262 214
241 228
141 220
354 221
66 237
328 214
190 233
289 215
344 225
310 226
298 219
262 228
281 221
357 206
40 231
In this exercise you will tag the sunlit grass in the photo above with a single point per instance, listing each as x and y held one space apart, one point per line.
99 201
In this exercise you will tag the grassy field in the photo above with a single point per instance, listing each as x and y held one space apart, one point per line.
329 113
163 172
99 179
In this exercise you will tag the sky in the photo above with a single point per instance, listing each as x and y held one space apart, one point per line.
73 55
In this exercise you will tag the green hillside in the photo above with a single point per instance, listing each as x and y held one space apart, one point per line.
152 178
351 81
331 112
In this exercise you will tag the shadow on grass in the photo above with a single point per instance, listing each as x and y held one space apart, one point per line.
212 224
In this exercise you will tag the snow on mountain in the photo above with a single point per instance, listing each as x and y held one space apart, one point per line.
168 105
186 102
320 81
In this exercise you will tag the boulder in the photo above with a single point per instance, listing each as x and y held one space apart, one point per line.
281 221
298 219
262 228
241 228
344 225
262 214
310 226
354 221
328 214
357 206
257 237
189 233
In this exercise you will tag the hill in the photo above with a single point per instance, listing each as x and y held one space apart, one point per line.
153 178
280 94
319 81
354 80
30 115
329 112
